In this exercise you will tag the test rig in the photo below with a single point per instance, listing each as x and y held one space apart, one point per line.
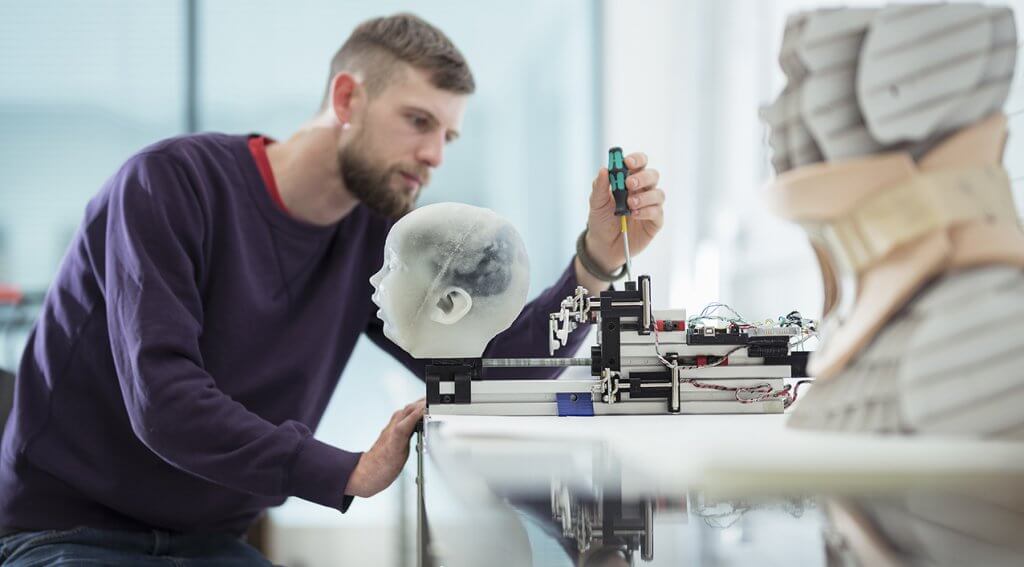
646 362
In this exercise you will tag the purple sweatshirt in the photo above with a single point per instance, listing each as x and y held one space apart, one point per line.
188 347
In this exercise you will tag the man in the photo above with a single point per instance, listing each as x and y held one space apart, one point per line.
209 302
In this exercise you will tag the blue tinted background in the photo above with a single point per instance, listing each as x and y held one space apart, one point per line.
84 85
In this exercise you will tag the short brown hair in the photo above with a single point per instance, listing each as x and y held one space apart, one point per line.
376 47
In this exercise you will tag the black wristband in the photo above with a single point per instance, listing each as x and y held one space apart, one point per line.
590 265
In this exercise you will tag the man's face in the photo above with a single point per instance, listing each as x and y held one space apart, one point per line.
398 140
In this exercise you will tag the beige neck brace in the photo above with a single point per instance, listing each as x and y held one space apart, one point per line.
887 226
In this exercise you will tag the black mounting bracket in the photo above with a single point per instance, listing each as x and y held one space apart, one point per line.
460 371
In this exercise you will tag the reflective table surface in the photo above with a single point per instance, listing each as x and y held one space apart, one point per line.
711 490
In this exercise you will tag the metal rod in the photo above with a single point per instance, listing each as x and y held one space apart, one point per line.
535 362
647 545
674 400
645 294
421 510
629 261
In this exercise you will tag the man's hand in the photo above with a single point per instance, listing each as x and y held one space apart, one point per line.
604 237
380 466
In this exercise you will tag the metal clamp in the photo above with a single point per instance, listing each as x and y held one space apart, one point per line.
574 311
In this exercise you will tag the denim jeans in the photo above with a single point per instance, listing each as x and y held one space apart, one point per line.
89 546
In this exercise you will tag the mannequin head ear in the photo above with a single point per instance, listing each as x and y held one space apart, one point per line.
451 306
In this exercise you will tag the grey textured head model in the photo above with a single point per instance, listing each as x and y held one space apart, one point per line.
454 276
888 141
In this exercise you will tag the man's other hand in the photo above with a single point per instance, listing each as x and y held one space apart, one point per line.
646 204
380 466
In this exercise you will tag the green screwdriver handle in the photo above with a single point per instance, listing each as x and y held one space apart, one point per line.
617 174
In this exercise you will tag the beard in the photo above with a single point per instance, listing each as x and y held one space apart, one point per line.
371 182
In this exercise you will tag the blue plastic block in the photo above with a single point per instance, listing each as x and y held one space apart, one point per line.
575 405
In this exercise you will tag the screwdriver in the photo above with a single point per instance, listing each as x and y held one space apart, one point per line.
617 174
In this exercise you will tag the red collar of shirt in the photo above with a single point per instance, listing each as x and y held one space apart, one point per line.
258 148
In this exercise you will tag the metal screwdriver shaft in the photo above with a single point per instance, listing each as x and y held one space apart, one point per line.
617 174
625 244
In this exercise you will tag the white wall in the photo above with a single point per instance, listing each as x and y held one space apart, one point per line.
684 81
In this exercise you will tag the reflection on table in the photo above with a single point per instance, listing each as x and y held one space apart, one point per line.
705 491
